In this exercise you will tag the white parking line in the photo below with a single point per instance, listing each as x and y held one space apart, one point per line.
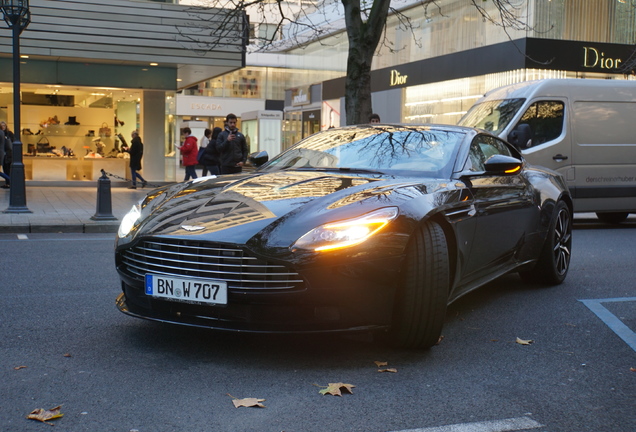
511 424
611 320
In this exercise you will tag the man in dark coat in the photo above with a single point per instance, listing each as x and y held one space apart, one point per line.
232 147
210 158
136 152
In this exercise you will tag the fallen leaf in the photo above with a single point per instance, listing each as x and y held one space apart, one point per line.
44 415
247 402
388 370
381 363
441 338
632 369
67 355
19 367
524 342
335 388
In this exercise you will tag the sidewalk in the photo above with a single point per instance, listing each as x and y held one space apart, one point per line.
67 207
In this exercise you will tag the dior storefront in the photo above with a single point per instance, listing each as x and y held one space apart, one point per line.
442 89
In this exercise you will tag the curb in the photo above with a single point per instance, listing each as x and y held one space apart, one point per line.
83 228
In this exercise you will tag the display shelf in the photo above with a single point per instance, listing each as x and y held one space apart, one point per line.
55 168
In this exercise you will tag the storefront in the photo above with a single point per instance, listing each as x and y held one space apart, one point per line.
303 113
441 89
90 72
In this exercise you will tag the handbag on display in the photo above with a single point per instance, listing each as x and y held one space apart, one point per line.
105 131
43 145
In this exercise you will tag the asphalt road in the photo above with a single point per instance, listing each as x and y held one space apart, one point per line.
62 342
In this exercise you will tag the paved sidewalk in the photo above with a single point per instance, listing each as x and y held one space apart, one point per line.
66 209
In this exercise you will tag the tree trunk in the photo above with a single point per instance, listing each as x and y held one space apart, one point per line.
364 37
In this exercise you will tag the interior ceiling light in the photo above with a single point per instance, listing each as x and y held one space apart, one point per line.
154 64
24 56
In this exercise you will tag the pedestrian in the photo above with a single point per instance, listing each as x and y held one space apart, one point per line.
232 147
189 153
210 158
8 148
205 140
374 118
6 178
136 152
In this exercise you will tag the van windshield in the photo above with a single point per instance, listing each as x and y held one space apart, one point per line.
493 115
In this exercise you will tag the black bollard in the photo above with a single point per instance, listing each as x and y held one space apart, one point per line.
104 203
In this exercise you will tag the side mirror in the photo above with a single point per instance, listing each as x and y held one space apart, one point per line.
257 159
500 164
521 136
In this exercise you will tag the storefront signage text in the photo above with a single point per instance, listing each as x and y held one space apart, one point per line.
205 106
300 96
397 78
593 58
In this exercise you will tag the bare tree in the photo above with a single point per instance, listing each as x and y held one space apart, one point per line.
292 24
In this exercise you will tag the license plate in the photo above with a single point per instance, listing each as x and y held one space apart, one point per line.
189 290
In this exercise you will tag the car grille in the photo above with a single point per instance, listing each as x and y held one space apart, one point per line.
181 258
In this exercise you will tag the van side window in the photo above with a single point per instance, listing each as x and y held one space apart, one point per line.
545 119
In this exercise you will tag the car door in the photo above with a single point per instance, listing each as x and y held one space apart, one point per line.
504 206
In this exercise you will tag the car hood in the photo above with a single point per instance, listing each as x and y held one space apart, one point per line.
234 209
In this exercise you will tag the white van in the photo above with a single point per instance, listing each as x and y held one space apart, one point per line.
583 128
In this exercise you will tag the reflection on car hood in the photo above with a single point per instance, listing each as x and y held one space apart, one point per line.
235 209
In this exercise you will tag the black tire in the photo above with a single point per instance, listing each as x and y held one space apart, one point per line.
612 218
554 261
422 298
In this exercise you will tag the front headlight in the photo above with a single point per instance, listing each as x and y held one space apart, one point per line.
346 233
128 222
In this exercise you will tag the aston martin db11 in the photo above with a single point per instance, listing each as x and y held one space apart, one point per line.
361 228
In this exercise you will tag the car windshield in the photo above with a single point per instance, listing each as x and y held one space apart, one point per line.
386 149
492 116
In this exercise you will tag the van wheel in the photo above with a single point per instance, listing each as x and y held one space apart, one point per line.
554 261
612 218
422 297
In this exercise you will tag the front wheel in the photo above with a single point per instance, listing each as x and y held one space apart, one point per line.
554 261
422 298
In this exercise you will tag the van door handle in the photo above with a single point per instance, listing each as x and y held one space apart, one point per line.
559 157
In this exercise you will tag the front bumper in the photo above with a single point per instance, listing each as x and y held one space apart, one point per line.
340 298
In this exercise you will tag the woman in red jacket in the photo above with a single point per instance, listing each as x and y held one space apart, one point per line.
189 151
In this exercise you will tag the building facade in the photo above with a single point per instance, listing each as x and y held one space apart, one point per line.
435 70
91 70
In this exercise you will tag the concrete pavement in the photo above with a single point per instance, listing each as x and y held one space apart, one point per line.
67 207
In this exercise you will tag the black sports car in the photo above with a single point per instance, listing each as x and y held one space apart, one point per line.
356 228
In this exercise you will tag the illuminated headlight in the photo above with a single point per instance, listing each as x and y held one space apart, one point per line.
128 222
346 233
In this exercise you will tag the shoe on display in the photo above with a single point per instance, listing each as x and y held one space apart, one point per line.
5 186
132 187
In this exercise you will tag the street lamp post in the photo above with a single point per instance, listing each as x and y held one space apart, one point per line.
17 16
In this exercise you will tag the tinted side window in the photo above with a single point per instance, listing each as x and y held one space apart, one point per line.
482 148
545 119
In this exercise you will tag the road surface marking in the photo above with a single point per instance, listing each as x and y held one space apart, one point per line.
611 320
511 424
